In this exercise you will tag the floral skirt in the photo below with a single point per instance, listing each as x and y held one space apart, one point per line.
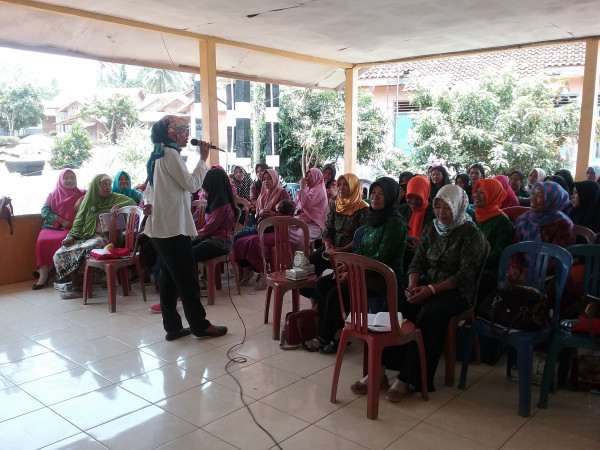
68 259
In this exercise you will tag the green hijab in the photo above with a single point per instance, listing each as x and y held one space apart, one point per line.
92 206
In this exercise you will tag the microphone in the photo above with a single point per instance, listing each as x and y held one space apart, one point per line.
196 143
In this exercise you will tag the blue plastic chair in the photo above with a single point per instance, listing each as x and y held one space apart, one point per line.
562 338
292 189
524 342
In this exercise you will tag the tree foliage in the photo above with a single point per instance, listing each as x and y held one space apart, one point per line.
72 150
112 112
499 121
20 106
158 81
311 129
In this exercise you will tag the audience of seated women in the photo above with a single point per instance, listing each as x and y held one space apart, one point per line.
440 285
122 185
498 229
439 177
511 198
58 212
586 205
86 233
516 179
384 239
329 172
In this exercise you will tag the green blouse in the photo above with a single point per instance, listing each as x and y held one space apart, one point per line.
522 192
499 232
456 257
385 244
50 218
339 229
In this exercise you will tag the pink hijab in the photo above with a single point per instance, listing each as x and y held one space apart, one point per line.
268 198
314 203
511 198
62 201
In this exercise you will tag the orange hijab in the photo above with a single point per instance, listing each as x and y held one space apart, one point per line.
494 196
420 186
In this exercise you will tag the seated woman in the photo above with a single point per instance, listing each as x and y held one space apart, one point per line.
544 222
247 251
58 212
511 198
86 233
476 172
403 179
536 175
255 191
384 239
329 172
462 180
568 177
592 173
242 182
344 217
440 285
439 177
586 205
417 212
516 179
122 185
312 204
498 229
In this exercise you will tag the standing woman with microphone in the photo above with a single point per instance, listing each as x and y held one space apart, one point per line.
171 227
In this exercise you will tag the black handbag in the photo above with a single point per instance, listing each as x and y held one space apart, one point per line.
6 211
515 307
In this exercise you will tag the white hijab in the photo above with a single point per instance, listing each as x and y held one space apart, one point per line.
456 198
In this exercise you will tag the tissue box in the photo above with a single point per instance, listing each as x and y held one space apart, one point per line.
296 274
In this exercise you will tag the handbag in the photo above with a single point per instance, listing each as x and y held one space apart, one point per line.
589 316
6 211
515 307
299 327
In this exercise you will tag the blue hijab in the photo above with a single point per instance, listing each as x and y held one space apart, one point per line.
133 194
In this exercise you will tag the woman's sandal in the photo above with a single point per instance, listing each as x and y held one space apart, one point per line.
395 396
314 345
361 388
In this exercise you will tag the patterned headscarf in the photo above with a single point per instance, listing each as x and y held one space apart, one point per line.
420 186
349 205
165 133
243 186
511 198
133 194
61 200
529 225
458 201
269 198
495 194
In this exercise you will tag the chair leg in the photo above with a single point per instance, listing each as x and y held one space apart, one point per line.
141 278
124 274
211 273
111 280
218 270
525 361
236 274
549 365
374 382
296 300
267 302
422 365
86 279
471 334
450 354
277 308
337 367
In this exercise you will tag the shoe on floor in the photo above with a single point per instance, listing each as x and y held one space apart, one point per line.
155 308
361 388
395 396
63 287
71 294
172 335
221 331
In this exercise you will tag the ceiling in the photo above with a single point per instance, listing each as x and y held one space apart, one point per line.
305 43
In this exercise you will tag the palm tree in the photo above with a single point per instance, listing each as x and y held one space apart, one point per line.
158 81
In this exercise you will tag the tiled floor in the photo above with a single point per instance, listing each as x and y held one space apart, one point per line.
75 376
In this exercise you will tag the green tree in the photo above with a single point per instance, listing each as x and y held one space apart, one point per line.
158 81
20 106
116 76
499 121
112 112
72 150
311 129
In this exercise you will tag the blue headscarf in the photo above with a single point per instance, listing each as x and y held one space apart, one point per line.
162 136
133 194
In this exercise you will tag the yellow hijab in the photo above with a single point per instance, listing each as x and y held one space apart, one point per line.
348 206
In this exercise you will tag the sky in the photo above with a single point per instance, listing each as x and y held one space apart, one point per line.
43 67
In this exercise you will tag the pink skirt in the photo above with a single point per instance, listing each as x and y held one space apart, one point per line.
47 243
247 250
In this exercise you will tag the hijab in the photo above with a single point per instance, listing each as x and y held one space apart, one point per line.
133 194
465 179
566 174
258 182
354 202
331 167
541 176
529 225
588 213
165 133
93 205
243 186
218 190
406 174
596 170
418 185
61 200
390 194
314 203
495 194
456 198
511 198
268 198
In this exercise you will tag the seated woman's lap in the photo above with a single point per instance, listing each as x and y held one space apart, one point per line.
204 251
247 251
48 242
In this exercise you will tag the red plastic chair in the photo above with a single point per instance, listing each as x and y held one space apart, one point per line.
356 327
588 235
119 265
513 212
281 258
464 318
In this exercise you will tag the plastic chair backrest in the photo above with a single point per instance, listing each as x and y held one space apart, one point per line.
199 205
292 189
486 253
539 255
133 217
591 254
357 239
356 266
282 249
244 205
513 212
585 233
